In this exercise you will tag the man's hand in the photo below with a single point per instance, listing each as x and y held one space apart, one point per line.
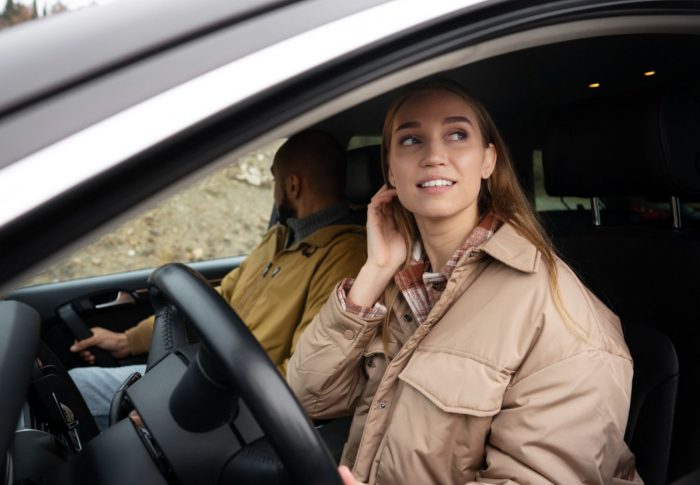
136 419
347 477
115 343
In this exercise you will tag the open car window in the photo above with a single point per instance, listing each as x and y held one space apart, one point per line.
225 214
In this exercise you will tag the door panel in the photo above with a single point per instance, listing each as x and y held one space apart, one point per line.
115 302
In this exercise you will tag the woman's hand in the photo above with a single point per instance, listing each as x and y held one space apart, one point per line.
347 477
386 250
386 247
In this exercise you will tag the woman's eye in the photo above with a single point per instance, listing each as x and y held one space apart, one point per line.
457 135
408 141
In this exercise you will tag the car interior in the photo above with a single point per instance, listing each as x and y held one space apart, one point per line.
611 120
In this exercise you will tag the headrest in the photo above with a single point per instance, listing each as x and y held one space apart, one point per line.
648 145
363 174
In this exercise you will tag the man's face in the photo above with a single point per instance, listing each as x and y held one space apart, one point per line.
282 203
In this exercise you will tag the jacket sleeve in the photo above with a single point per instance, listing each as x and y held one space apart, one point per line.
564 424
342 261
228 284
139 336
325 372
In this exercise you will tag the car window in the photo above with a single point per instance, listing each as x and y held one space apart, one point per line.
225 214
363 141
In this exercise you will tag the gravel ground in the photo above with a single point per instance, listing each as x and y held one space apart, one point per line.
225 214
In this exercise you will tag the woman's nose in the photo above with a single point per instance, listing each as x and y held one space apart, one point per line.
434 154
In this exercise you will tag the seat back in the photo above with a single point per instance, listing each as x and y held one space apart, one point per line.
645 146
363 174
654 389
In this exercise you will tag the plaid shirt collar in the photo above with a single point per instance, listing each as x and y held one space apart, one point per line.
421 288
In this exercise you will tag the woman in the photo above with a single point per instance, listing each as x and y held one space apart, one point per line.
467 351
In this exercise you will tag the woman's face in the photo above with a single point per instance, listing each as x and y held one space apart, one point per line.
437 156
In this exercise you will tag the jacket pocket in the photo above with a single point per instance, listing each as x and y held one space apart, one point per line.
457 383
441 418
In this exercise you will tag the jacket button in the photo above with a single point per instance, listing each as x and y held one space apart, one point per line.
349 334
408 317
382 404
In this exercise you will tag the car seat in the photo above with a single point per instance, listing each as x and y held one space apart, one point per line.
363 174
646 145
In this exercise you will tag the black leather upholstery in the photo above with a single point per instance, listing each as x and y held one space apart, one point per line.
363 174
654 389
169 332
636 146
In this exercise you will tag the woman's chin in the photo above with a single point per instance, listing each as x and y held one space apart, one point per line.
438 214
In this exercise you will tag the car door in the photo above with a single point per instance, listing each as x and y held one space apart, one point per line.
69 309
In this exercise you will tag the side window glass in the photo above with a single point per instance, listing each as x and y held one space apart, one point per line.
363 141
545 202
225 214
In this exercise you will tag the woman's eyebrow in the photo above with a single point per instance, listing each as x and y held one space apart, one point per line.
406 125
446 121
456 119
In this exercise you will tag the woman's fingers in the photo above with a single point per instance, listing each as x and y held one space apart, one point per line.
384 195
347 477
381 202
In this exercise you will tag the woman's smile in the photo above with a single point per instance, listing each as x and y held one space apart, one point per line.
435 185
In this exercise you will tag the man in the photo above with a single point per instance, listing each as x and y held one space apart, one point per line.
282 284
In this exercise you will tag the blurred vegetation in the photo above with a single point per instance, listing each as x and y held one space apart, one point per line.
16 12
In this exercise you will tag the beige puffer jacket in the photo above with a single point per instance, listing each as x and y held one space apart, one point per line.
493 387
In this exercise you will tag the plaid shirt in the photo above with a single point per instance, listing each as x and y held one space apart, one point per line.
420 287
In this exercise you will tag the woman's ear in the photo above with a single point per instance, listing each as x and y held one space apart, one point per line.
489 163
390 176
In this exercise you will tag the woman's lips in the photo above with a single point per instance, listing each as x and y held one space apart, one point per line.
435 186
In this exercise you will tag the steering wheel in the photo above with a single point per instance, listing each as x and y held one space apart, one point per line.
230 357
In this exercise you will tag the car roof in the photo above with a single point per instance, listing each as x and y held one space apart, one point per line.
93 40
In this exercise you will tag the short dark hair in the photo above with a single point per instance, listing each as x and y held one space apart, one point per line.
317 156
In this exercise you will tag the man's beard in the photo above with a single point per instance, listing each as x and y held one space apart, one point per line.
284 211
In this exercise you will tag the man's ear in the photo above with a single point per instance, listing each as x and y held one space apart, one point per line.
489 164
293 186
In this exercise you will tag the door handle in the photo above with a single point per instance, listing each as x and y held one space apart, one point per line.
122 298
81 331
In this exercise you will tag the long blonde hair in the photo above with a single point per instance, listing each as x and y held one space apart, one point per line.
500 194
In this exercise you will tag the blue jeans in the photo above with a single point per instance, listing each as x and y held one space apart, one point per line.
98 385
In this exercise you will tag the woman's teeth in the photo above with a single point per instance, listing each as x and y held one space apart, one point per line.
437 183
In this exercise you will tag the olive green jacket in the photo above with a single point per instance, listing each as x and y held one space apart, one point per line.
277 291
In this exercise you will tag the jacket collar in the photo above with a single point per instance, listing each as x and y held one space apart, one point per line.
300 229
512 249
324 236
